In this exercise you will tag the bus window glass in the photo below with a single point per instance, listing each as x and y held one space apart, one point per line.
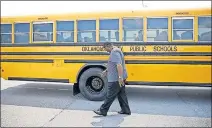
87 36
182 29
22 32
157 29
42 32
133 29
65 31
86 31
109 30
110 36
6 33
204 25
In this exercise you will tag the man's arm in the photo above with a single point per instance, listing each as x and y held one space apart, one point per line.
120 74
120 71
104 73
116 58
106 67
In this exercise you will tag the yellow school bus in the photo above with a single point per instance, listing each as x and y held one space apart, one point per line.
161 47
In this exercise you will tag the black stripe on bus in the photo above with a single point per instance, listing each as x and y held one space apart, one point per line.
145 62
103 61
105 53
85 61
169 53
169 62
100 44
28 60
169 84
39 79
54 53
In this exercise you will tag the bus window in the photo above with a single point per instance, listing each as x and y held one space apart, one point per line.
204 24
22 32
42 31
65 31
6 33
86 31
157 29
109 30
133 29
182 28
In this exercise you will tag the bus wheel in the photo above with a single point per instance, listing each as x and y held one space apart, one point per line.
92 85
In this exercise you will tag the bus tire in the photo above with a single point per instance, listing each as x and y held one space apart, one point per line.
92 86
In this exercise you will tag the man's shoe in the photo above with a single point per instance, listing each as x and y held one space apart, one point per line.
99 113
127 113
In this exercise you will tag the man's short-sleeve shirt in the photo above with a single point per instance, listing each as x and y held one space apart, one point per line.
116 57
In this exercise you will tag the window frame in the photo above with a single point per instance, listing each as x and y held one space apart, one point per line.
22 32
8 33
64 31
85 30
41 22
183 17
109 18
198 28
129 18
157 17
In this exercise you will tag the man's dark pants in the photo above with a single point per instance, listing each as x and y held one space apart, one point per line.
114 89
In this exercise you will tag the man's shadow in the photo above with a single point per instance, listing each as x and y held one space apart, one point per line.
111 120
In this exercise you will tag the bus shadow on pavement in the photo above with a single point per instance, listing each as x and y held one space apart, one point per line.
189 102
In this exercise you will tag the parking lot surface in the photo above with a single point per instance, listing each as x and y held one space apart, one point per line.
30 104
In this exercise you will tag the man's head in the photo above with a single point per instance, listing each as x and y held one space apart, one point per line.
108 46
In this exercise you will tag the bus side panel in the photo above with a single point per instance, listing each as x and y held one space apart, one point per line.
7 69
169 73
41 70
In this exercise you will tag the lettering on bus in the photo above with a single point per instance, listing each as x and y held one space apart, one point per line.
165 48
182 13
87 48
121 47
138 48
95 48
43 18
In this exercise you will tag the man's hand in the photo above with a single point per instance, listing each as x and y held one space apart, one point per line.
120 72
104 73
121 82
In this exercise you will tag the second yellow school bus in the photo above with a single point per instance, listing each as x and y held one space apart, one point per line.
161 47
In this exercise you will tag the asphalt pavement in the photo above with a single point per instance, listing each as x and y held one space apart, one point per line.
31 104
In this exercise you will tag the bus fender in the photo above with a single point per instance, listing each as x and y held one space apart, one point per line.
90 65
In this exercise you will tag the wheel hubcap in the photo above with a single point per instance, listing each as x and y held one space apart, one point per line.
95 84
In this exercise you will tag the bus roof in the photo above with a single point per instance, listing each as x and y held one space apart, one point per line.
17 8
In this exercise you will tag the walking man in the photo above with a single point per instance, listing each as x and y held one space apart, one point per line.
116 75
